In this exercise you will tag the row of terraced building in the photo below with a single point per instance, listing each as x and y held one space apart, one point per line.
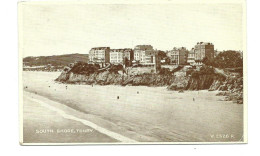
146 55
141 54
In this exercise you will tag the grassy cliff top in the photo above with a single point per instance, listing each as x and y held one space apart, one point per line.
55 60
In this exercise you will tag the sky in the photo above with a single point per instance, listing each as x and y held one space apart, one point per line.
55 29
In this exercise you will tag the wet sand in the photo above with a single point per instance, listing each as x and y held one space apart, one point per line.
142 113
42 125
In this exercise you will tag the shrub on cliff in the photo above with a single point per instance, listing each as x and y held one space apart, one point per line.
165 71
84 68
208 62
116 68
177 69
226 59
204 70
235 70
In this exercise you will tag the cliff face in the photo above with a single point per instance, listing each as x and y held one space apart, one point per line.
111 78
231 86
205 79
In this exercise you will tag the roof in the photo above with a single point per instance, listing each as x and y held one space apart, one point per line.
100 48
144 47
149 52
191 51
120 50
180 48
204 43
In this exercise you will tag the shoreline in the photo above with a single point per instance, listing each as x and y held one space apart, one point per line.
154 113
217 92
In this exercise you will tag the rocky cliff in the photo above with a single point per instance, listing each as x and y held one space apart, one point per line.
111 78
204 79
230 84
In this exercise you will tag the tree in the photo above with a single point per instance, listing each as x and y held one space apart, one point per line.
228 59
208 62
162 54
167 60
127 62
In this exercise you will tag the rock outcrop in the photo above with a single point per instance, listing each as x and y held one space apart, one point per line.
110 78
230 84
205 79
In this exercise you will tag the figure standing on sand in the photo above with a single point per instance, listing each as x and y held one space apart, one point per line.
193 99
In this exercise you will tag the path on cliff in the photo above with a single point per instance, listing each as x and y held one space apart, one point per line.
221 71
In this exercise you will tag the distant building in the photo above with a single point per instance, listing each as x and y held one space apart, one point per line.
178 55
128 56
191 57
202 50
143 47
144 54
121 56
99 55
157 64
116 56
150 57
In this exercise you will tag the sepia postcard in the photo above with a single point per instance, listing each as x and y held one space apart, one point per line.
140 72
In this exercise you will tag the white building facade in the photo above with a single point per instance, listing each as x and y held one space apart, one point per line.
120 56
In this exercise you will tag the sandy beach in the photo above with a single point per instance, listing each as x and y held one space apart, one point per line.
140 113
